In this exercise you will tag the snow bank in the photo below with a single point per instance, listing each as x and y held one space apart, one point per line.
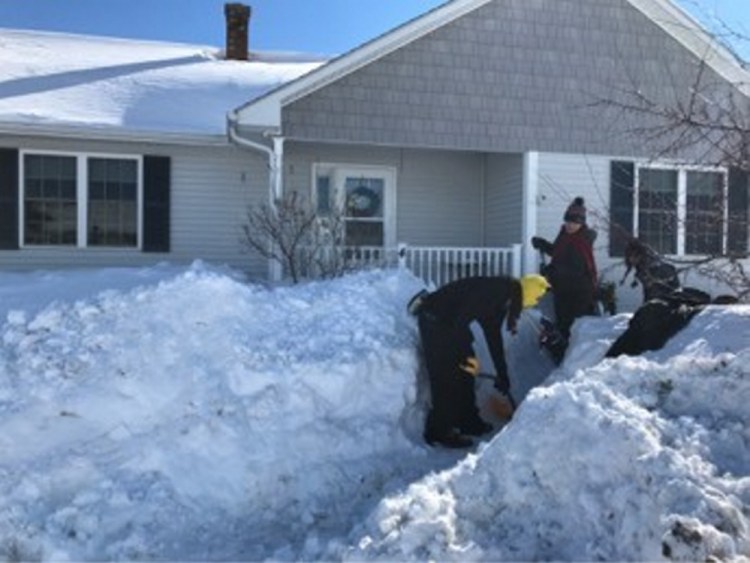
184 414
627 459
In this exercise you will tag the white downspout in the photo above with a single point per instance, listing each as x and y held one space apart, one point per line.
275 168
530 208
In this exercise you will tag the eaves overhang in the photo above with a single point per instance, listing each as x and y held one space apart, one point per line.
114 134
699 41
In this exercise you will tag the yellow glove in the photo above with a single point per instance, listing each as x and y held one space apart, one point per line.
470 366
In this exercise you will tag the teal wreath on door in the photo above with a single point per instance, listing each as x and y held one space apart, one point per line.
362 202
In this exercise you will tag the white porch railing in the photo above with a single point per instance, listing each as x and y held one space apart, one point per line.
441 265
435 265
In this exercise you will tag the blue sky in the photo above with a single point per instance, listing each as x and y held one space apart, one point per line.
313 26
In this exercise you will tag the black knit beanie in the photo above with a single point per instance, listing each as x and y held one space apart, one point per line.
576 212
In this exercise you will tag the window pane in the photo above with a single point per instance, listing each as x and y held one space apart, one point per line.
33 187
323 189
32 166
51 188
68 190
364 197
97 170
657 209
128 172
50 200
112 213
96 190
68 168
704 220
128 192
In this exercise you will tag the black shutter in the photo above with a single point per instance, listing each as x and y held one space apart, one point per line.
737 200
621 194
9 199
156 203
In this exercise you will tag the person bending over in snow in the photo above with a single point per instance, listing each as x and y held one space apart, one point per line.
657 277
658 320
572 270
444 319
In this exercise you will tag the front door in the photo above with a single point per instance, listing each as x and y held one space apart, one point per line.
366 197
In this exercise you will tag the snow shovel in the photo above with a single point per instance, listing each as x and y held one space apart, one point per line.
501 406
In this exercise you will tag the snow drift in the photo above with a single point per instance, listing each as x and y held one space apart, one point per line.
174 413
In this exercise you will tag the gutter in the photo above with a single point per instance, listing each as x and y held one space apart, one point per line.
111 134
275 155
275 168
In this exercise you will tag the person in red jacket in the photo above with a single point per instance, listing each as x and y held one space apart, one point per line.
444 319
572 270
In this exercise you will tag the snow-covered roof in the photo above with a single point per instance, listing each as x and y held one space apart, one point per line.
64 83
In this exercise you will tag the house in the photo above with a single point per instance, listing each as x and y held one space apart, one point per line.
473 125
115 152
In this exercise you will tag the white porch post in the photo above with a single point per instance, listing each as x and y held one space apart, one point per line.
517 260
530 209
277 188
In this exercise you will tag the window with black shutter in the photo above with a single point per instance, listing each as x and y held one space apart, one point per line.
84 200
684 210
621 197
9 199
157 172
737 220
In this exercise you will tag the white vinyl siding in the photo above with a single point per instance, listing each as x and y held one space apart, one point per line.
211 188
503 208
438 193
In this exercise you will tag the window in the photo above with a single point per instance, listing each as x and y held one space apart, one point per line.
50 201
77 200
679 210
682 210
657 209
365 197
364 211
704 217
112 202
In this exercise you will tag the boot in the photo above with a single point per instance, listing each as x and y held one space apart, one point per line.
475 427
451 439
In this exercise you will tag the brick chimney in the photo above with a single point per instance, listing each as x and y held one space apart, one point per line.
238 18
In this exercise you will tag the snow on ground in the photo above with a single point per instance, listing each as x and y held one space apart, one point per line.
183 413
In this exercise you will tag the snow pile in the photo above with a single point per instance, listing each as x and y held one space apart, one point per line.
173 413
629 459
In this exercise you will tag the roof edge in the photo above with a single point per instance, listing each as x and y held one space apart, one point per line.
694 36
266 110
101 134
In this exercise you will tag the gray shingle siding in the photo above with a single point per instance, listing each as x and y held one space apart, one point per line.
512 76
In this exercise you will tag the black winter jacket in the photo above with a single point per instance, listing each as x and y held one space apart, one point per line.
486 300
658 279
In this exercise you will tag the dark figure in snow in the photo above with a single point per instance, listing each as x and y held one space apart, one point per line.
572 270
658 320
444 320
657 277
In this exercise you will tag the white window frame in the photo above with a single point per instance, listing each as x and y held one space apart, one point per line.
682 171
82 199
339 171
